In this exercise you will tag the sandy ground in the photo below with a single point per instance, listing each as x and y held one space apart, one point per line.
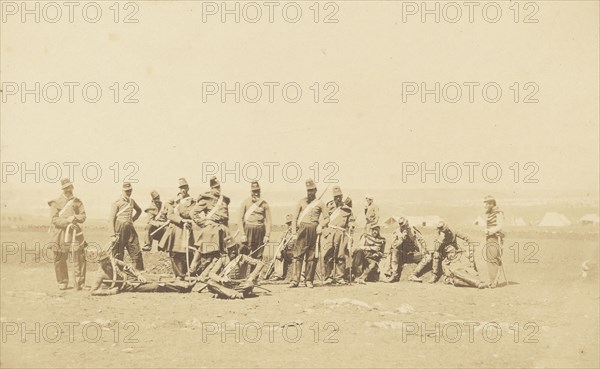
547 317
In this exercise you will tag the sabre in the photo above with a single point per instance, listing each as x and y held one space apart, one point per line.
159 228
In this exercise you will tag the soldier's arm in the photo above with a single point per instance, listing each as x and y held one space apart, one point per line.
138 210
351 220
56 220
215 269
173 216
375 214
112 217
80 216
268 221
499 224
241 217
324 216
295 219
463 236
258 266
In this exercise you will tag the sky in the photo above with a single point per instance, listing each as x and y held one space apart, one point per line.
375 136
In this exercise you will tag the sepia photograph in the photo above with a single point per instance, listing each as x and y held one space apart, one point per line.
300 184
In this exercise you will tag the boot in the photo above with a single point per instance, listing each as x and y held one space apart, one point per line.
434 278
414 278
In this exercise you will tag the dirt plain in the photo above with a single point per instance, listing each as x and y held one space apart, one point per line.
548 316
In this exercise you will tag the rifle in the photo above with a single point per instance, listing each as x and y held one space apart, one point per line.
282 245
159 228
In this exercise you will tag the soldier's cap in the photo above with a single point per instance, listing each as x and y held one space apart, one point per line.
214 182
182 182
489 198
254 186
154 195
402 221
368 197
336 191
310 184
65 183
441 224
375 226
127 186
289 218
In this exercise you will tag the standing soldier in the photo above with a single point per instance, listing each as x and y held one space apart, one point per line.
255 223
310 217
406 247
371 214
157 217
336 237
494 239
367 256
211 215
121 223
179 236
66 213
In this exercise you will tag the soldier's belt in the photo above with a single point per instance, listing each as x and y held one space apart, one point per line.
255 224
337 227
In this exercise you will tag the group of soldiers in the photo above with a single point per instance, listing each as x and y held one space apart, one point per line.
203 251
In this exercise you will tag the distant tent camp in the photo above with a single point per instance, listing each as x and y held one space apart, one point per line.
520 222
479 221
552 219
589 219
418 221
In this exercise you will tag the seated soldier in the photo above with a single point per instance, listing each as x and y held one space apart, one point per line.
367 256
457 270
228 274
116 276
406 248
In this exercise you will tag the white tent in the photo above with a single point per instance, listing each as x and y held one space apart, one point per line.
519 222
553 219
589 219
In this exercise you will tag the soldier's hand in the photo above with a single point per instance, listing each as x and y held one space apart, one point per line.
266 239
224 279
243 238
71 219
142 279
113 238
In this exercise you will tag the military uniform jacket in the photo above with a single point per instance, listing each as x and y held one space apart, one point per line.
447 241
410 234
257 213
123 210
176 238
372 214
316 214
340 217
157 213
495 222
61 210
211 207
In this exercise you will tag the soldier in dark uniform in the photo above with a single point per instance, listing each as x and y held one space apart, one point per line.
255 223
211 216
310 217
335 238
228 275
406 247
121 221
179 236
67 213
157 218
367 256
494 239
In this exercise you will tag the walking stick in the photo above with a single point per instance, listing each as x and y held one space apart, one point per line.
186 244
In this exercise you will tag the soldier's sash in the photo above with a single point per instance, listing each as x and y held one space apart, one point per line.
307 210
215 208
126 207
336 214
251 209
67 205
